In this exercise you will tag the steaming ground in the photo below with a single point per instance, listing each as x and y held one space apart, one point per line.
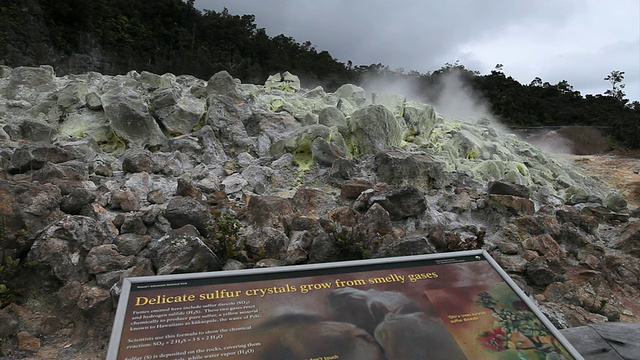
584 147
456 101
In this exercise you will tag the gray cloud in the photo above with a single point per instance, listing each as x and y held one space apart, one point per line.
423 35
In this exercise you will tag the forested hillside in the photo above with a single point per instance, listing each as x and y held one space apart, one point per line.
115 36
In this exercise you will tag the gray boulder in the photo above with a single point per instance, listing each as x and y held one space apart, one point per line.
182 211
182 251
30 83
179 115
259 178
61 248
265 242
213 152
508 188
313 203
325 153
269 211
129 116
331 116
27 208
136 160
106 258
73 202
418 169
34 157
374 128
227 121
72 96
511 205
420 120
615 201
401 203
221 83
36 131
352 93
415 244
131 244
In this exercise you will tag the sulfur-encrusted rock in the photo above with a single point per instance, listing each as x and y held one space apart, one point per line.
420 121
331 116
352 93
374 128
179 115
286 82
129 116
403 168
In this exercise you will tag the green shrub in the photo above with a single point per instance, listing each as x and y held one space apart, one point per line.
224 235
351 243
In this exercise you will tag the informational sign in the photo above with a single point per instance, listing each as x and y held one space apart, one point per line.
442 306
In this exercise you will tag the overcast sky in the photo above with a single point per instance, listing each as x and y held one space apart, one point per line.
580 41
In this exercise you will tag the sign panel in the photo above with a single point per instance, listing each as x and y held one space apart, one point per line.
442 306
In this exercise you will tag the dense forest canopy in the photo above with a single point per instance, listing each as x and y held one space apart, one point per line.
173 36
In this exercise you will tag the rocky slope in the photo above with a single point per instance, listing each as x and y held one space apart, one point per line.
106 177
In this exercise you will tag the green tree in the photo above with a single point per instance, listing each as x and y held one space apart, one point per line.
615 78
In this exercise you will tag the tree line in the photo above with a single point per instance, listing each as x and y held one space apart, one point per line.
173 36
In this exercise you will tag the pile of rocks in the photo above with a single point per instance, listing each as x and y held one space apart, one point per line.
107 177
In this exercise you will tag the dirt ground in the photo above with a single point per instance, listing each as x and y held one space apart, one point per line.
590 151
620 170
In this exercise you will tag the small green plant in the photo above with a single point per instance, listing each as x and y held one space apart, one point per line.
224 235
350 242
